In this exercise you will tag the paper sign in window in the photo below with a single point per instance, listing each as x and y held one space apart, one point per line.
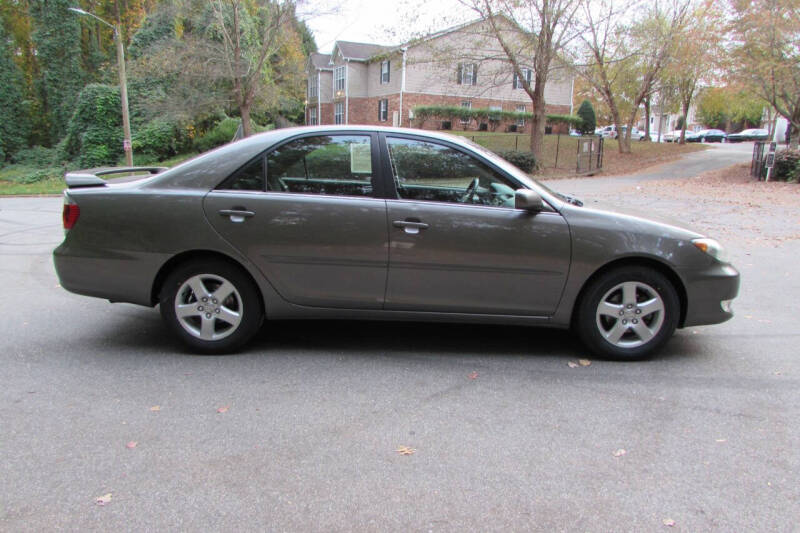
360 159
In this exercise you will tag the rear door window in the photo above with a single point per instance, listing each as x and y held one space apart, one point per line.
334 165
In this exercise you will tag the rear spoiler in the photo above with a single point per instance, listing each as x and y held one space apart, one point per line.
91 177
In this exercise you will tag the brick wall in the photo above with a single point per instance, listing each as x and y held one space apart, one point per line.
365 111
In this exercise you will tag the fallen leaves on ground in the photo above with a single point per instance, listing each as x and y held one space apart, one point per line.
223 409
584 362
620 452
132 444
102 500
572 364
155 408
405 450
669 522
473 375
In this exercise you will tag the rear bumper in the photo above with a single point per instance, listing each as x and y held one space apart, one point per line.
707 292
112 276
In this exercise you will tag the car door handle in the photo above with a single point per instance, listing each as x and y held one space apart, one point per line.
410 226
236 215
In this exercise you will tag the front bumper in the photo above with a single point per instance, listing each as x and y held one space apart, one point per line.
708 295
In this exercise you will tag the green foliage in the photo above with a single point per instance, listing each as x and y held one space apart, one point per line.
36 156
588 119
465 116
160 139
787 166
13 118
57 37
94 134
571 120
524 161
222 133
717 106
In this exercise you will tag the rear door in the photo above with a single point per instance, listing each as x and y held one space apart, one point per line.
309 214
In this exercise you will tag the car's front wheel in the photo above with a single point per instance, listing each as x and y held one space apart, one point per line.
628 313
211 305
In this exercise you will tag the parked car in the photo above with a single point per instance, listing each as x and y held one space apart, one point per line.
364 222
712 136
753 134
610 132
673 136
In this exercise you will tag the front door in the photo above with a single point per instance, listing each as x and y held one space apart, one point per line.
457 244
307 215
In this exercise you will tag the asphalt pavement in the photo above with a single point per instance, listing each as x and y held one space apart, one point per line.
300 432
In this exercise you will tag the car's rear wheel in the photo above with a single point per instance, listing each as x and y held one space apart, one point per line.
628 313
211 305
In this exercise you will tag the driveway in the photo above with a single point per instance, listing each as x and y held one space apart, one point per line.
300 432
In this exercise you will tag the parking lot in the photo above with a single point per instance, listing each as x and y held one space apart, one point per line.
509 431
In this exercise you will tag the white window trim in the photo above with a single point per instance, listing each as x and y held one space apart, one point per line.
467 79
336 78
521 121
338 111
312 116
388 73
313 89
518 82
383 110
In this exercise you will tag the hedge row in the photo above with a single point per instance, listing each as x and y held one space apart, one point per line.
492 117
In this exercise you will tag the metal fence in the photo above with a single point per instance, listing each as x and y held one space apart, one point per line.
561 152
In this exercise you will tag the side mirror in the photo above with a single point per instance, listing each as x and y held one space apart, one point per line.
528 200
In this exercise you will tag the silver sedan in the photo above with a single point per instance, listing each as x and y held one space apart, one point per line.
381 223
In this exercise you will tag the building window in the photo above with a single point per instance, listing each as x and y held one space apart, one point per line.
312 87
384 72
467 74
518 82
339 78
312 116
521 120
383 110
468 105
338 113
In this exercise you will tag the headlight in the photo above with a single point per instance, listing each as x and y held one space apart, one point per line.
712 248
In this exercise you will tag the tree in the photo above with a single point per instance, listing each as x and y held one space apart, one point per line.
766 53
586 112
13 118
240 55
697 53
56 36
622 58
532 35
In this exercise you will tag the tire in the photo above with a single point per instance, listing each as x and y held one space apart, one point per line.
649 307
209 325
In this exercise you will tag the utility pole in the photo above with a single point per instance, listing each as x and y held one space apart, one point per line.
123 83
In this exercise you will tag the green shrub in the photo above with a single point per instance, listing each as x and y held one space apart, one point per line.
787 166
94 133
160 139
522 160
223 133
35 156
37 175
588 118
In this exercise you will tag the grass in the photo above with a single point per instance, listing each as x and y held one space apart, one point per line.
560 151
28 180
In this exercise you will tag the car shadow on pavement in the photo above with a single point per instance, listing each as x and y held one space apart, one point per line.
142 330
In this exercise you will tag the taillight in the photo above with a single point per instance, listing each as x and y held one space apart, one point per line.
71 213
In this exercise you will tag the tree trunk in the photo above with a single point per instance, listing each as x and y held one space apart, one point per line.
612 106
538 120
244 109
647 119
685 110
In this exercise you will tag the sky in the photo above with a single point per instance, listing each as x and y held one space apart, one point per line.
380 21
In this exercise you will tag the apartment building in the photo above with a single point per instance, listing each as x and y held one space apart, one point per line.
362 83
